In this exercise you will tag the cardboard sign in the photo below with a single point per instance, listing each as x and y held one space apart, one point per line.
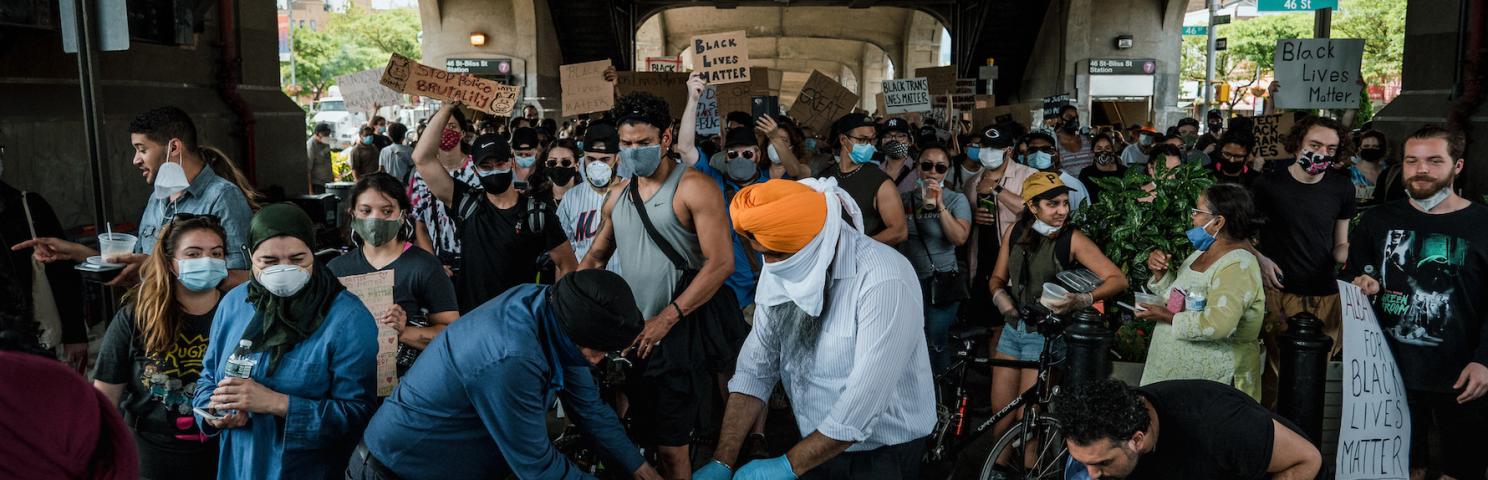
663 64
965 95
1269 131
821 102
722 57
362 91
670 86
405 75
584 88
904 96
376 293
739 96
942 79
1053 104
708 119
1374 432
1318 73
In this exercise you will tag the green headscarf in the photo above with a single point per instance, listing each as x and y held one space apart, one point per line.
285 321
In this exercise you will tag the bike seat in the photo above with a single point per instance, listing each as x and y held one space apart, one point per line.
968 332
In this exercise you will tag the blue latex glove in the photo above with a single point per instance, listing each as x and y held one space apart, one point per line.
778 468
713 471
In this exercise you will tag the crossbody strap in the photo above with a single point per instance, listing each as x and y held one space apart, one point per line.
666 248
920 233
26 204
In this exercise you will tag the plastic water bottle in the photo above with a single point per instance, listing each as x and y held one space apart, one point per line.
241 363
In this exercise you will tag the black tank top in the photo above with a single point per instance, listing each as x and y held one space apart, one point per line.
863 185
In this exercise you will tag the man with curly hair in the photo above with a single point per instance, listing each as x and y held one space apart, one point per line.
1180 429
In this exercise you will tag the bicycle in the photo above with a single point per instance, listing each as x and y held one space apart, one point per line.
572 442
1036 435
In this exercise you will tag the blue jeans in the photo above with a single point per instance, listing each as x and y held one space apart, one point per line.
938 320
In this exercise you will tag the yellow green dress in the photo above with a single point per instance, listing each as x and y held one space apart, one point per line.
1221 342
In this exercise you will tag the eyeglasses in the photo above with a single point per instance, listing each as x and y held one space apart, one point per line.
1195 212
861 140
938 167
1231 156
748 154
559 162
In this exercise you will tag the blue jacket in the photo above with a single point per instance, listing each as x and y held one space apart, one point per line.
475 403
330 379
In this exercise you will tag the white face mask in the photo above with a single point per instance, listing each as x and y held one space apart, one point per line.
1428 203
991 158
1044 228
170 178
599 174
283 280
774 156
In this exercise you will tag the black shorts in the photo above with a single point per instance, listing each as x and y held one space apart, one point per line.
663 408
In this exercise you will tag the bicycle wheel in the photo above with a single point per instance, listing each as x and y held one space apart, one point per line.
1045 446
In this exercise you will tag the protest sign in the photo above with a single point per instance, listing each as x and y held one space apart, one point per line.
965 95
376 292
663 64
984 113
821 102
940 105
1318 73
1375 431
739 96
1269 131
1053 104
708 120
584 88
722 57
670 86
362 91
904 96
407 76
942 79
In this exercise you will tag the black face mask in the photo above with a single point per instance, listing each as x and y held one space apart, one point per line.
1372 154
1215 127
562 175
1070 126
497 183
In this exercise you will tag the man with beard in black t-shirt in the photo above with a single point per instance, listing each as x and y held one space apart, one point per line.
1188 429
1423 262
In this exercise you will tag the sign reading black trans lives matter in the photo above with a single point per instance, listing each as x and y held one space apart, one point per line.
908 95
1318 73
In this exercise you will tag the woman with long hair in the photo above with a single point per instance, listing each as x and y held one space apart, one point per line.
150 358
423 296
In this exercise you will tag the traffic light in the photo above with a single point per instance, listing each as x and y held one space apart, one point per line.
1222 92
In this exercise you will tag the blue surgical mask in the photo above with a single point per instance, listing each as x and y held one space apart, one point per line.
862 153
580 144
1200 236
526 162
1039 160
811 144
366 140
973 151
201 274
642 160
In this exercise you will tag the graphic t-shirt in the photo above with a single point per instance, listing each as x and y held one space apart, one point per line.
1207 430
158 386
1431 301
1300 221
419 286
580 213
428 209
500 246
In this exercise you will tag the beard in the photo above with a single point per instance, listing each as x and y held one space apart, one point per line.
1433 186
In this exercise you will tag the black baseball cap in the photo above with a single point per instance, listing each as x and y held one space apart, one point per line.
995 137
741 118
740 136
601 138
323 127
491 145
850 121
1039 134
895 125
524 138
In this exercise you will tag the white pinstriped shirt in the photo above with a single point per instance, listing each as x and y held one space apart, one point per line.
870 380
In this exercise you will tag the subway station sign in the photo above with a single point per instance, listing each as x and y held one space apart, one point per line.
1123 66
479 66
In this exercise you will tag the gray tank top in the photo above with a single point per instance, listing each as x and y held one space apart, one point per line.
649 273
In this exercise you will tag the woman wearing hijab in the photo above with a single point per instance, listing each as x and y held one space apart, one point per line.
150 358
311 386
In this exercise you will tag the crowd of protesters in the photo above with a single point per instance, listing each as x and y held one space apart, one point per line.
764 268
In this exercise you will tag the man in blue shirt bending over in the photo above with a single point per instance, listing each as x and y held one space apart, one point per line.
475 405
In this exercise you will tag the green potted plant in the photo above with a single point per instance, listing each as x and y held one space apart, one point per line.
1136 214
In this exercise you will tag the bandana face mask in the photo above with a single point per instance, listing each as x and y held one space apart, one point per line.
1314 163
449 140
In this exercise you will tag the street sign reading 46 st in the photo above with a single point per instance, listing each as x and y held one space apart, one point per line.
1294 5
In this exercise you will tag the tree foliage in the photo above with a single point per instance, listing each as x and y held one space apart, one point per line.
350 42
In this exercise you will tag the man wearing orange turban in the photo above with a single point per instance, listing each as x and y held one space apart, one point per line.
839 321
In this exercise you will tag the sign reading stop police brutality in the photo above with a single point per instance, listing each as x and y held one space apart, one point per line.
908 95
722 57
1375 430
1318 73
405 75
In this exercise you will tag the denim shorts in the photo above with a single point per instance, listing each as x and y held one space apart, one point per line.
1022 345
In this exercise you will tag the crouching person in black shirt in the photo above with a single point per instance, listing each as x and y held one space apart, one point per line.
1180 429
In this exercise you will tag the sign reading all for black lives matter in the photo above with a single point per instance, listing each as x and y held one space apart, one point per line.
1374 433
722 57
407 76
908 95
1318 73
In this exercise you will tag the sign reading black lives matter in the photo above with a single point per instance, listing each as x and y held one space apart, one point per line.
1318 73
1374 432
908 95
722 57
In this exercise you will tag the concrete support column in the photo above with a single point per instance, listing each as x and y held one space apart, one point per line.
651 41
521 30
873 65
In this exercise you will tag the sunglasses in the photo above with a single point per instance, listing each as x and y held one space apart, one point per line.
560 162
938 167
748 154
